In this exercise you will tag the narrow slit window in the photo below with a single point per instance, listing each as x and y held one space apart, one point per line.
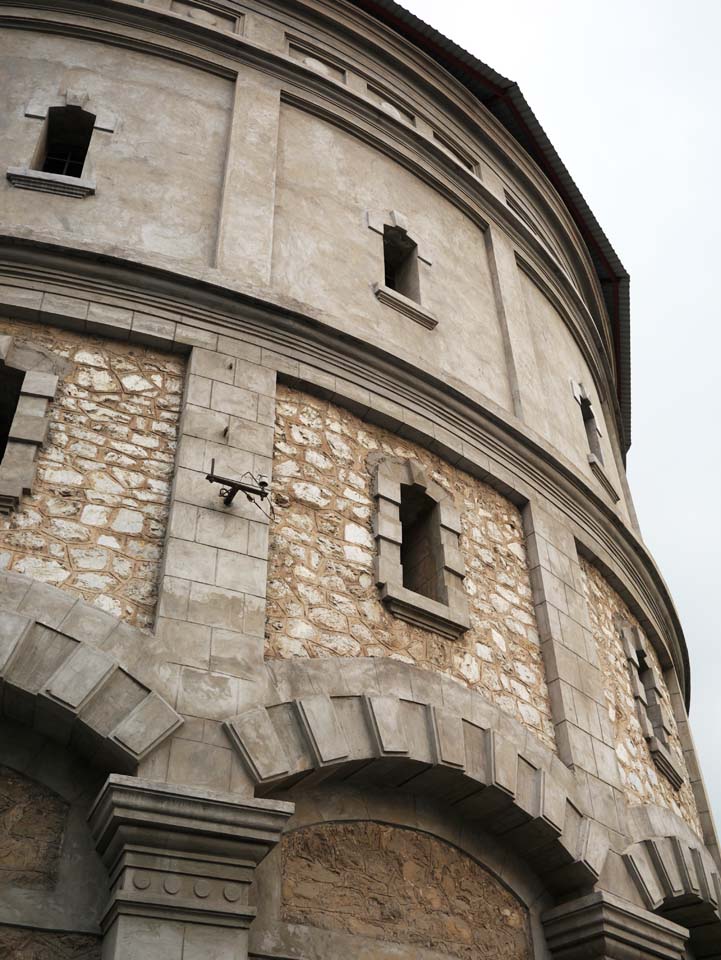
589 421
400 255
420 544
66 141
11 382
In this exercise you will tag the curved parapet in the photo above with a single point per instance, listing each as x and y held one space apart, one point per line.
54 678
510 785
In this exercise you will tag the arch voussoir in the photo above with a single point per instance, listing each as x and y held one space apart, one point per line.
63 686
411 744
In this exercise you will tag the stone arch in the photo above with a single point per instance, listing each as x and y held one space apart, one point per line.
339 803
352 724
57 676
30 424
679 880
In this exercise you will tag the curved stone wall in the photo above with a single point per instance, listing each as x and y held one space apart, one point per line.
642 780
503 737
95 521
322 595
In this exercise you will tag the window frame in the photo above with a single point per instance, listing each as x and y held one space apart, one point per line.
652 704
408 306
28 177
449 617
29 426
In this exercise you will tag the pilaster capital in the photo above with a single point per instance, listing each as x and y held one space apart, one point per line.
603 926
181 853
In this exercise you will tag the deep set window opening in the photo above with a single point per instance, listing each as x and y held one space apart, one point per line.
66 141
420 544
400 257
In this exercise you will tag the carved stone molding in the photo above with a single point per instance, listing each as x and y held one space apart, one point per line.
680 880
182 854
413 743
608 928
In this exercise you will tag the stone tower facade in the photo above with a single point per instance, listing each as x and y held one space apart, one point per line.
428 698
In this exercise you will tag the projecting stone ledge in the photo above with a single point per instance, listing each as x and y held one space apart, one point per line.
57 676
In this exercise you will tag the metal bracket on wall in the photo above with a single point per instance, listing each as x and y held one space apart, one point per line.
254 491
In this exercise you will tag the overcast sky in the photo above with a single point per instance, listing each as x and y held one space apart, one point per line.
628 92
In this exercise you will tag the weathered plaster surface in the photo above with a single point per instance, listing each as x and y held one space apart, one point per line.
322 596
402 886
95 521
642 782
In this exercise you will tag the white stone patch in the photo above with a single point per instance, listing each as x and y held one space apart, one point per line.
134 383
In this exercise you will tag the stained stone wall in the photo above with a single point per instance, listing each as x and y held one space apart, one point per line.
322 598
18 943
95 521
642 781
400 885
32 820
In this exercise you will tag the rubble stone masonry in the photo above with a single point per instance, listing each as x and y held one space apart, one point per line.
643 783
403 886
323 600
95 521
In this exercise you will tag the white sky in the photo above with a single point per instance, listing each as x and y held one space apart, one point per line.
627 91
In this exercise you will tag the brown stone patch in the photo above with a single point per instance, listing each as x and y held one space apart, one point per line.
32 820
322 598
95 522
643 783
403 886
17 943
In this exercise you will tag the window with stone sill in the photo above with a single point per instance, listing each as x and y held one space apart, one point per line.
403 262
28 384
60 162
593 438
652 704
419 565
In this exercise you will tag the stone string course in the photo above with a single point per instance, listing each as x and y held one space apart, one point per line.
402 886
322 598
95 522
642 782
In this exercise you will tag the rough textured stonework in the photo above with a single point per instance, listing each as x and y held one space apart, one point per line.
32 819
322 596
642 781
17 943
95 521
380 881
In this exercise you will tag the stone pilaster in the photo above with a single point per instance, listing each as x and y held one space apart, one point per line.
608 928
180 862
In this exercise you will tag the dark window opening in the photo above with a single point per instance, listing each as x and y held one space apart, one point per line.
11 382
420 544
67 138
400 255
589 421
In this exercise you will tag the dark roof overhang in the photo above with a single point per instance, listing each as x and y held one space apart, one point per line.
503 98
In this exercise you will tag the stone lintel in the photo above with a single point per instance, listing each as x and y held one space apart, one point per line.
179 853
604 926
